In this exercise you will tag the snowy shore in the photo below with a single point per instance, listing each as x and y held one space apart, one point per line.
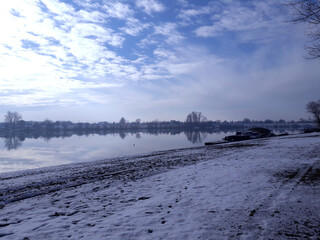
257 189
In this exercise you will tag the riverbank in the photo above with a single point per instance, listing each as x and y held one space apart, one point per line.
254 189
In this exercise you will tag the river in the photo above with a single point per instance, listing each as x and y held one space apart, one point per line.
31 153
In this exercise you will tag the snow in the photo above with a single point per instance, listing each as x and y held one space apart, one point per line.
257 189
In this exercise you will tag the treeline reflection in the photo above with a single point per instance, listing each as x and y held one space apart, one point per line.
12 143
14 140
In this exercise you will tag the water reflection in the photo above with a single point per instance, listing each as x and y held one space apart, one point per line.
122 134
138 135
33 150
12 143
196 136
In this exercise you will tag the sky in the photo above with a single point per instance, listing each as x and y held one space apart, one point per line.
100 60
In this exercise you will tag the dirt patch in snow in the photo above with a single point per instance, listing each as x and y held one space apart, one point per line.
312 176
309 175
287 174
238 145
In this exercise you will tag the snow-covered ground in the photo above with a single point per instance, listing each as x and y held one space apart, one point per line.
257 189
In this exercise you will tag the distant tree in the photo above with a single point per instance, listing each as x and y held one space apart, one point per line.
246 120
12 119
195 117
204 119
314 108
308 12
122 121
282 121
138 120
268 121
48 123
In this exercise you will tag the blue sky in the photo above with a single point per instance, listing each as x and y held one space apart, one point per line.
97 60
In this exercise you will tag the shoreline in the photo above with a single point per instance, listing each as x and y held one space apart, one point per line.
237 190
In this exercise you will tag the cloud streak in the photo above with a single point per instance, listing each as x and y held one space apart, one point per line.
150 6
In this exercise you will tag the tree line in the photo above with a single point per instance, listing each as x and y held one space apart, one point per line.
195 120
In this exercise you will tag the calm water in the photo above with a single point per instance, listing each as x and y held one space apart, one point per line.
35 153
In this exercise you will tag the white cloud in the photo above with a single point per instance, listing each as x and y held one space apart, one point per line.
150 6
94 16
207 31
134 27
183 3
99 35
57 7
258 20
165 54
172 64
146 42
117 9
88 4
71 54
169 30
227 87
187 14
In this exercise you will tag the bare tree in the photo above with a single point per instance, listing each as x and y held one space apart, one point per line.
314 108
195 117
12 119
308 11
